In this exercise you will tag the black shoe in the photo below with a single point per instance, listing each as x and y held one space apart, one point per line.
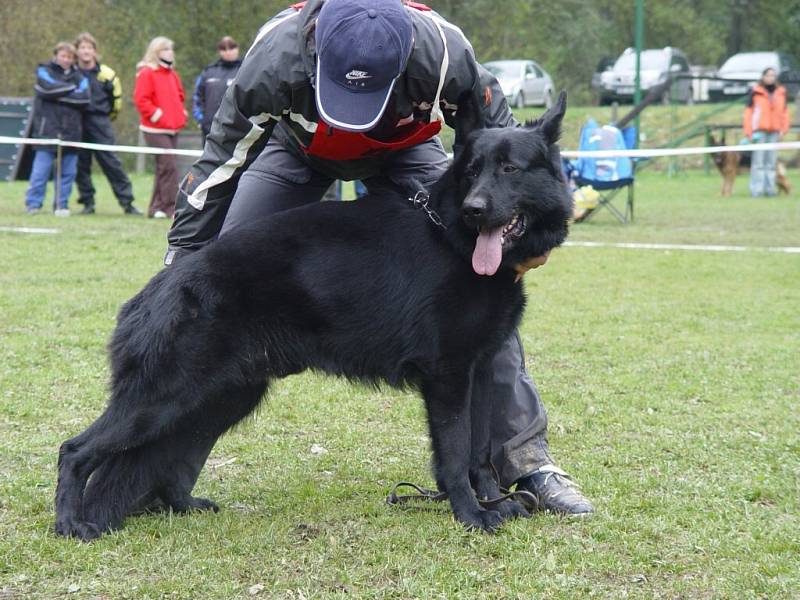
555 491
88 209
130 209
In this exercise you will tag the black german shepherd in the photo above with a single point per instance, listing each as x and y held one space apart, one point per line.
372 290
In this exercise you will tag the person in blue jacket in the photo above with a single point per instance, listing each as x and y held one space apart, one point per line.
62 94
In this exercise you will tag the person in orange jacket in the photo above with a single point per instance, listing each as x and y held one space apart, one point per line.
159 98
766 120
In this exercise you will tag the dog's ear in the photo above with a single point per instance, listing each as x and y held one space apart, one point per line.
550 122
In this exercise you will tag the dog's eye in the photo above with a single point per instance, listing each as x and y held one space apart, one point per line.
509 168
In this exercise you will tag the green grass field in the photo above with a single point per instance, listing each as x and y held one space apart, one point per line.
672 380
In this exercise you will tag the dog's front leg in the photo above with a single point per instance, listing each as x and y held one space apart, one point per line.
481 473
448 402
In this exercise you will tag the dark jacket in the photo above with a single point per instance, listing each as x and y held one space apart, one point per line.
61 98
106 91
275 86
209 89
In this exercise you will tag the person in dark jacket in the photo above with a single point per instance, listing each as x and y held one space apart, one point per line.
105 102
359 89
62 93
213 82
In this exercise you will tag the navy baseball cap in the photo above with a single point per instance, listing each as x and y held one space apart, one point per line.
362 48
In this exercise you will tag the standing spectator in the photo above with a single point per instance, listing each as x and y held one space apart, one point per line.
62 93
104 104
766 120
213 82
159 99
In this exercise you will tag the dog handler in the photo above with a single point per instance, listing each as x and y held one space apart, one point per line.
359 89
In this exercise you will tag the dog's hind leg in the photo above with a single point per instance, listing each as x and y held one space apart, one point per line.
166 468
448 404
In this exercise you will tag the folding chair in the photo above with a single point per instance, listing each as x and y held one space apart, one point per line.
608 176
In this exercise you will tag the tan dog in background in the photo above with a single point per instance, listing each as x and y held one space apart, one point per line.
731 162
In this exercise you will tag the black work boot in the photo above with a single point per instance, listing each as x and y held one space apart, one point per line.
555 491
88 208
130 209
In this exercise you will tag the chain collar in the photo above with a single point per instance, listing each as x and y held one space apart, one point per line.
420 200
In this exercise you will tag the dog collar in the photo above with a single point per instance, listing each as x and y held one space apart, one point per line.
420 200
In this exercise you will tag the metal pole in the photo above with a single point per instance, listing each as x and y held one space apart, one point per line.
639 43
58 177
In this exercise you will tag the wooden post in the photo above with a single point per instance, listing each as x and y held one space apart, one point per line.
58 178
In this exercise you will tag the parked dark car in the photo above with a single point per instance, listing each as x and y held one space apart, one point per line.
618 83
743 70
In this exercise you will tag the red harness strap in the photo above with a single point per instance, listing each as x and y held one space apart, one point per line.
334 144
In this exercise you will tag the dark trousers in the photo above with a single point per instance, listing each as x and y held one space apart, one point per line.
97 129
279 180
165 186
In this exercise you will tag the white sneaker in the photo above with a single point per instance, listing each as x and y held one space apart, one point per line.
61 212
159 214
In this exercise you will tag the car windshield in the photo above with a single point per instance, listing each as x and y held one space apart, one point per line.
652 60
504 69
751 61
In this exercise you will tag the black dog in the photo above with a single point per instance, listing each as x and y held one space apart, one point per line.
373 290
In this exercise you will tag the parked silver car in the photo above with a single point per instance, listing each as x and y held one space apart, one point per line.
741 71
617 83
524 82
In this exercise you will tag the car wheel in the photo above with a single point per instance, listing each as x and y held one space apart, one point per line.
519 101
548 99
690 96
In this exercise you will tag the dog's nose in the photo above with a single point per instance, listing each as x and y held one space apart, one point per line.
474 207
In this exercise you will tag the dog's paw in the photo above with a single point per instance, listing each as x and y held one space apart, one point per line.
190 503
81 530
511 509
488 521
204 504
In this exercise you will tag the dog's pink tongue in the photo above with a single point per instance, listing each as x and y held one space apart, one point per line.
488 251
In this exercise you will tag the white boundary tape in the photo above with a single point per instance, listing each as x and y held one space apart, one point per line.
638 153
689 247
28 230
88 146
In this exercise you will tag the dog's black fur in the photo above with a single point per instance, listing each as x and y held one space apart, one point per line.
371 290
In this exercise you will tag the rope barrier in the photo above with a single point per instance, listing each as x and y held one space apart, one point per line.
634 153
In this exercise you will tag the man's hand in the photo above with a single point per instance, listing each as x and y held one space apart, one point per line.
531 263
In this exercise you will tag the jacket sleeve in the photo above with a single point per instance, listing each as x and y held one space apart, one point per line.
143 92
113 88
786 122
747 118
466 75
199 98
49 88
240 130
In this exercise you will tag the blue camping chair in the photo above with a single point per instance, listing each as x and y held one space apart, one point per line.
608 176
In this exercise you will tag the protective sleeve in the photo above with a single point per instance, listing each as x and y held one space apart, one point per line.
241 128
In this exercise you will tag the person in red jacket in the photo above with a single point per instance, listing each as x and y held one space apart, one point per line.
766 120
159 98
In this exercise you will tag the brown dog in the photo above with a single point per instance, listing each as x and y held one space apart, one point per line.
729 164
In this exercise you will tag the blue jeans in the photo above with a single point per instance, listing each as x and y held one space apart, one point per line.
41 173
763 166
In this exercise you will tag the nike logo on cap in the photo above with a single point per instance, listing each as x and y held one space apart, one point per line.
358 75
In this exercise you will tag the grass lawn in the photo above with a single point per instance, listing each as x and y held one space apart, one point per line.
672 381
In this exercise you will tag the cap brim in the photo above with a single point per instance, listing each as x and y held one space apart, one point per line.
350 110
